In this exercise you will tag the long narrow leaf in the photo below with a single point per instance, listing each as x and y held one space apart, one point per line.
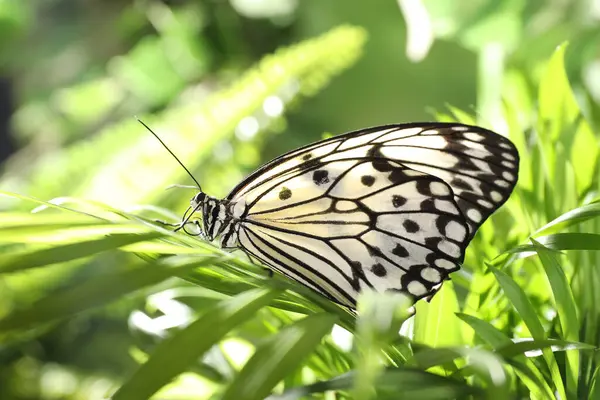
400 383
526 346
566 309
278 357
527 370
98 291
175 354
60 253
570 218
521 302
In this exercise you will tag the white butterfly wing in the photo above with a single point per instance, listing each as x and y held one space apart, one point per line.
391 208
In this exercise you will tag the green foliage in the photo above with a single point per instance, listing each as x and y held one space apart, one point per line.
186 346
540 300
191 131
520 320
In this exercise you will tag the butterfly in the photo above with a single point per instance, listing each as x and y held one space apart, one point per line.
391 208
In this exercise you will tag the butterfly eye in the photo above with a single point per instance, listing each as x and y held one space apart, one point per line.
197 199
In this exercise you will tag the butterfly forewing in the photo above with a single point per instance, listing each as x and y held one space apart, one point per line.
391 207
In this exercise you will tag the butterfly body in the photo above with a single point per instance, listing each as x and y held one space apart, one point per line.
389 208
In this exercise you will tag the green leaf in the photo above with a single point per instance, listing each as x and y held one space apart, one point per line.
435 322
527 370
380 318
50 221
595 384
524 346
487 365
560 241
486 331
561 124
94 292
557 105
60 253
521 302
278 357
566 307
172 356
561 290
532 378
393 383
570 218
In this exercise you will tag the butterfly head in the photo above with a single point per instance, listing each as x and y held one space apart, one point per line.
211 218
198 201
193 218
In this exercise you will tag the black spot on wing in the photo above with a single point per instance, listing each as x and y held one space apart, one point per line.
285 193
427 205
461 184
379 163
400 251
465 164
379 270
374 251
398 176
320 177
424 187
382 166
398 201
367 180
442 222
414 274
411 226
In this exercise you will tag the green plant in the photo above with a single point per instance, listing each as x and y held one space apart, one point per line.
519 320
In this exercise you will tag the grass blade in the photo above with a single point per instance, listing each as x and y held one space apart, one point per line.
29 258
570 218
278 357
435 322
566 308
174 355
521 302
393 383
525 346
93 293
528 371
485 331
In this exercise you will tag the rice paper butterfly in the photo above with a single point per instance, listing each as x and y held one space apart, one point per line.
391 208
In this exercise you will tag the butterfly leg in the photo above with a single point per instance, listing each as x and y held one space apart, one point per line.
164 223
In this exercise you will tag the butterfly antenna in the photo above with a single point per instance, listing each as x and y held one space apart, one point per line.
169 150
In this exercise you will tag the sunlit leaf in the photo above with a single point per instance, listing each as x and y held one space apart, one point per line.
565 306
435 322
523 305
174 355
60 253
279 356
570 218
94 292
400 383
525 346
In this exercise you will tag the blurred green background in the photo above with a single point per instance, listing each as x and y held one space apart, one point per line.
229 85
